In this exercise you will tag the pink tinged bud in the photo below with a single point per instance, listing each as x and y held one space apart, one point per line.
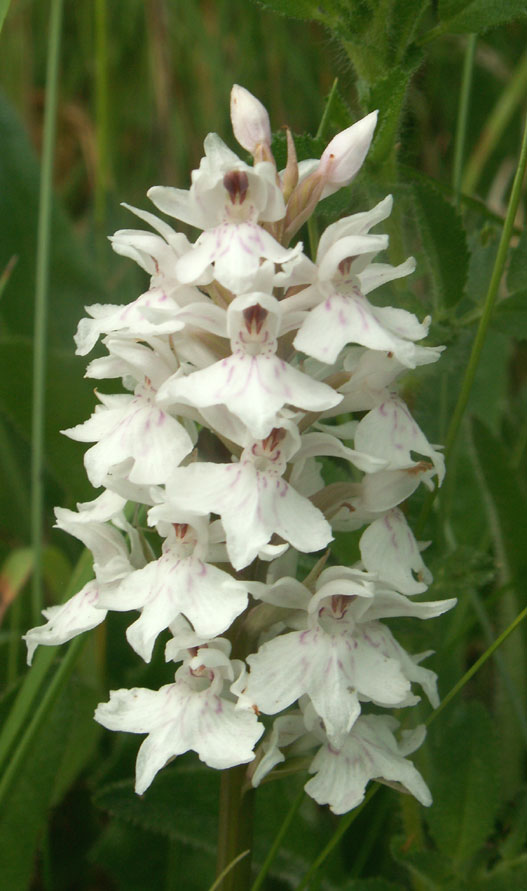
345 154
250 121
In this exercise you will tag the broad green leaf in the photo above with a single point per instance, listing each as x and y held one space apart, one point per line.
510 876
4 6
429 867
465 785
25 809
444 243
70 400
14 574
73 280
181 803
517 272
296 9
505 500
468 16
510 315
373 884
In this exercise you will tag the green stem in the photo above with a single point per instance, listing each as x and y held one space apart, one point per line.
273 850
234 830
462 115
490 299
502 113
31 689
484 322
101 112
477 665
344 824
41 299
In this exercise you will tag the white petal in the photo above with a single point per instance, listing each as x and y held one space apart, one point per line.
389 548
370 752
79 613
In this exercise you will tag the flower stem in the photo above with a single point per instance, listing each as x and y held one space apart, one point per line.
41 299
235 829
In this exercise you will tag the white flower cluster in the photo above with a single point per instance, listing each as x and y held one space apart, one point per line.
241 340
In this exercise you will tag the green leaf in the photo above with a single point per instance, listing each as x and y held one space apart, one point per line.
25 809
429 867
511 876
517 272
296 9
510 315
444 242
373 884
476 16
505 501
181 803
465 785
4 6
73 281
70 400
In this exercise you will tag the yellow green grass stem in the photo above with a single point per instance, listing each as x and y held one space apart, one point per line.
43 709
490 298
30 692
507 105
273 850
485 318
462 115
41 300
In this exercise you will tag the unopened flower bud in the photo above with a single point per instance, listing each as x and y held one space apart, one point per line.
345 154
250 121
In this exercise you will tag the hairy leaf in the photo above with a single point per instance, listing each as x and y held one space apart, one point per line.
444 242
467 16
465 785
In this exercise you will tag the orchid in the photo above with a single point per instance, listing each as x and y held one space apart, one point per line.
241 364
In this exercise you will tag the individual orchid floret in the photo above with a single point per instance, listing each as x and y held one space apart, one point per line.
250 123
252 498
227 199
341 312
194 713
254 383
80 613
135 439
389 548
389 431
369 752
339 656
180 581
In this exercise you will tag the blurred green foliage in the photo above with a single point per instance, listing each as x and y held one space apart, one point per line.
141 84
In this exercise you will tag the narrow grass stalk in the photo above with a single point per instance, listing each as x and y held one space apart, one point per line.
477 665
462 115
484 322
490 298
227 870
507 105
344 824
44 707
31 690
273 850
101 112
41 300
